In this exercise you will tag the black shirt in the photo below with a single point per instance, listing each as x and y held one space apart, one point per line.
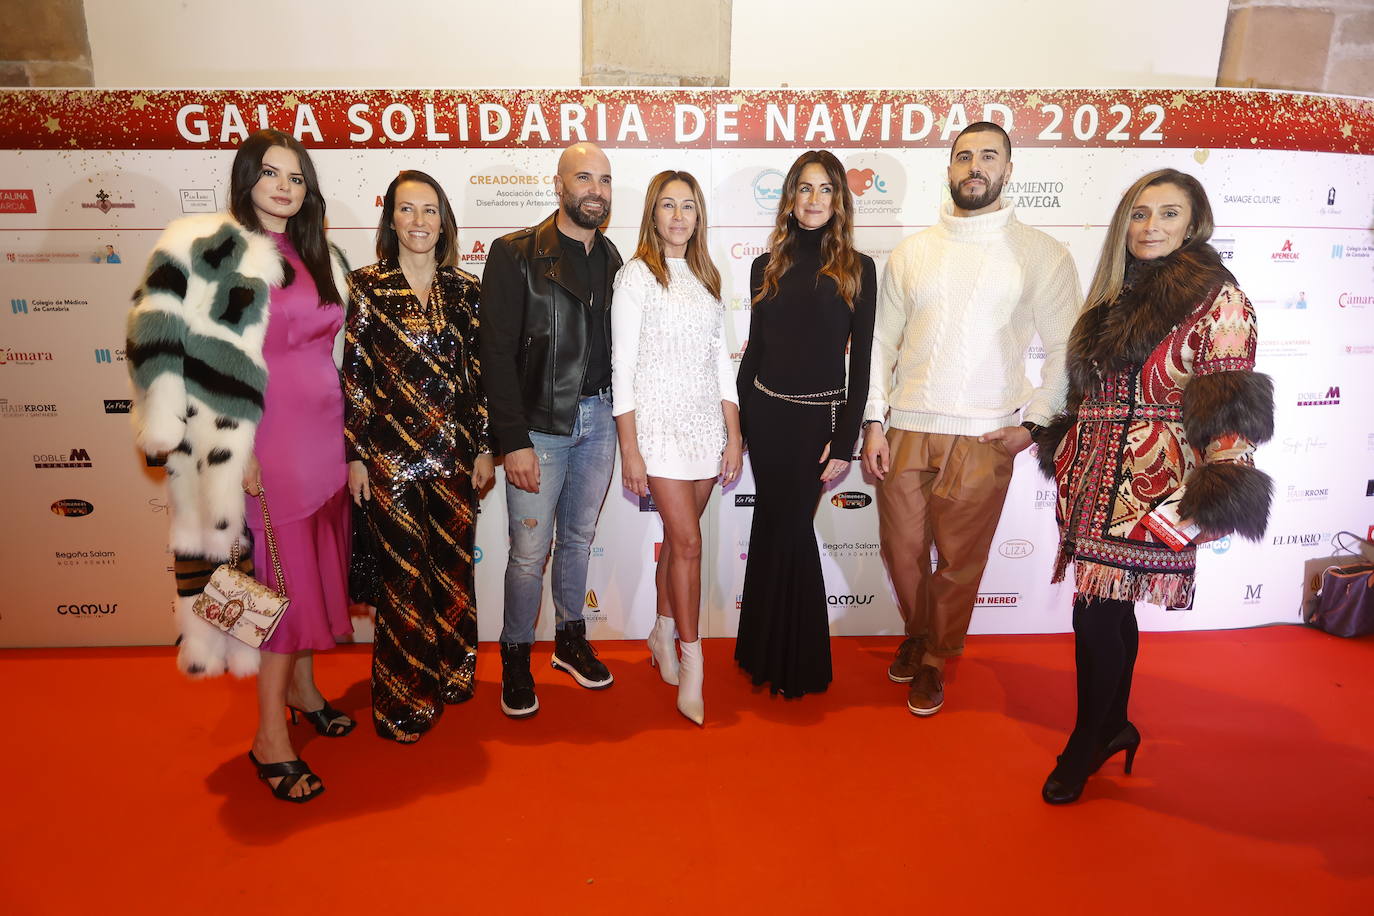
588 271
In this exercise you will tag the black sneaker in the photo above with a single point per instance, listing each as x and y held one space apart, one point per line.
573 654
517 684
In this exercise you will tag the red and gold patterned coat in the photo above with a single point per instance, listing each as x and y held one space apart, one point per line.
1162 394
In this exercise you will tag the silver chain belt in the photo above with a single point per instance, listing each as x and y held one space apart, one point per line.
818 399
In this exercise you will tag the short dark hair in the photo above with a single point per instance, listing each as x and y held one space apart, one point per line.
979 127
389 246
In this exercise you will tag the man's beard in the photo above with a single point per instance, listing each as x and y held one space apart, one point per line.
572 206
975 202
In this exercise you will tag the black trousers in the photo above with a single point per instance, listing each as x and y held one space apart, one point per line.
1106 642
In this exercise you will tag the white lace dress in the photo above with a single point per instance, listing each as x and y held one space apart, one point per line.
670 365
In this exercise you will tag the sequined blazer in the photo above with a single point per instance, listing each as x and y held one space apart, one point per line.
412 377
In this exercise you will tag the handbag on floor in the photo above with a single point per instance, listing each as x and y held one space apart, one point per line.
1340 589
238 604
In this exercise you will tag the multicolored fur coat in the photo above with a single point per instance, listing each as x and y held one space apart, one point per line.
195 337
1162 393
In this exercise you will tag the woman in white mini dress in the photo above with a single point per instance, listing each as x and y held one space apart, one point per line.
676 410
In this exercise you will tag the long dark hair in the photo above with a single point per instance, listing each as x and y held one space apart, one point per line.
650 249
306 228
389 246
839 260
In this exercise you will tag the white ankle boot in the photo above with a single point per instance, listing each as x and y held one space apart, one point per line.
662 649
690 675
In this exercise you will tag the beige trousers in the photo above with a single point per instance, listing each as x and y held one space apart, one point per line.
946 490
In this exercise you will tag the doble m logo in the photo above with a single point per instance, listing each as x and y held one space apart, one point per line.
1334 392
79 454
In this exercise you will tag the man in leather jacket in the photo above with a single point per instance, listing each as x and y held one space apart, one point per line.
546 368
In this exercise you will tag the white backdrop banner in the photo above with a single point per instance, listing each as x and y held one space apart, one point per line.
88 179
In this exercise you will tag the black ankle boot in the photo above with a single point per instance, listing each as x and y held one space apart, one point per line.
518 699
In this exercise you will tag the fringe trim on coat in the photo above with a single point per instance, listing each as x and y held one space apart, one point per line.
1163 589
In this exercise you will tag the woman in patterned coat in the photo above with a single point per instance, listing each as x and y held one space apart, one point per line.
419 454
1162 395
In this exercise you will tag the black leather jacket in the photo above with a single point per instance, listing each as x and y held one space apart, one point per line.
534 334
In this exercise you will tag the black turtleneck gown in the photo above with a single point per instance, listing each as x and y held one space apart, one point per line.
797 344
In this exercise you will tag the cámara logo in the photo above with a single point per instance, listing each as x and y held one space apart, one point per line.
850 500
72 508
1354 300
1016 548
23 357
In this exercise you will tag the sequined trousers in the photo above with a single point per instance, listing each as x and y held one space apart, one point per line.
424 651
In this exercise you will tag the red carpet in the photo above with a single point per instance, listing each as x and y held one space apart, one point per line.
129 791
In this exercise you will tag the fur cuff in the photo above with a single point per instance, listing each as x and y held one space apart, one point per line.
1229 402
1226 497
1047 442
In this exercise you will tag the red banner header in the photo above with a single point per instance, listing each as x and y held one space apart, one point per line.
672 118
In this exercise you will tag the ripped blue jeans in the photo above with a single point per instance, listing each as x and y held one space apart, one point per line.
574 475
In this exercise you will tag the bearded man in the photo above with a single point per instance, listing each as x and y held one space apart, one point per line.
948 392
546 370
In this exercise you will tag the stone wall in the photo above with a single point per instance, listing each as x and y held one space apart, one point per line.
43 43
1313 45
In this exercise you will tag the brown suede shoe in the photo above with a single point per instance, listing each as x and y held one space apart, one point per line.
927 692
907 660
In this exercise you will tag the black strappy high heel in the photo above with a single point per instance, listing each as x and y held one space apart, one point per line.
291 772
325 719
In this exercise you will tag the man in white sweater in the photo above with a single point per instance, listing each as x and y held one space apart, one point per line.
956 310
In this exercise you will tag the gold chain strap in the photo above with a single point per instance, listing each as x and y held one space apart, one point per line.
271 536
834 405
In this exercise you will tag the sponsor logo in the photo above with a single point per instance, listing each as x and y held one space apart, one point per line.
646 504
1253 593
1226 248
1016 548
1299 445
72 508
1035 351
1351 251
118 405
104 204
1317 399
84 557
19 306
739 601
1330 209
1291 346
75 458
598 552
862 180
1041 194
768 189
739 354
1220 545
741 250
87 610
17 200
850 500
109 354
745 499
1286 254
1354 300
1045 499
592 601
1265 199
476 555
997 599
1306 539
23 357
44 257
1359 349
1369 488
10 411
198 200
846 600
24 306
1305 494
851 548
1298 301
157 504
478 255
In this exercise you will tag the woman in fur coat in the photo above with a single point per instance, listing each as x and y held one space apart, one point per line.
202 353
1162 395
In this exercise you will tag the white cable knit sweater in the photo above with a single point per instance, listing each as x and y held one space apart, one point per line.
957 307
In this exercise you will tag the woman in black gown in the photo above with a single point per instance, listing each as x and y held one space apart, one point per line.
813 297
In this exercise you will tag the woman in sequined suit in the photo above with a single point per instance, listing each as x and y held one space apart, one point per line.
419 455
1162 395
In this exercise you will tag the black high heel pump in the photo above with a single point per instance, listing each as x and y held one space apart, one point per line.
1064 786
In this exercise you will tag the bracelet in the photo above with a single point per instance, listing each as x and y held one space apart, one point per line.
1032 427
